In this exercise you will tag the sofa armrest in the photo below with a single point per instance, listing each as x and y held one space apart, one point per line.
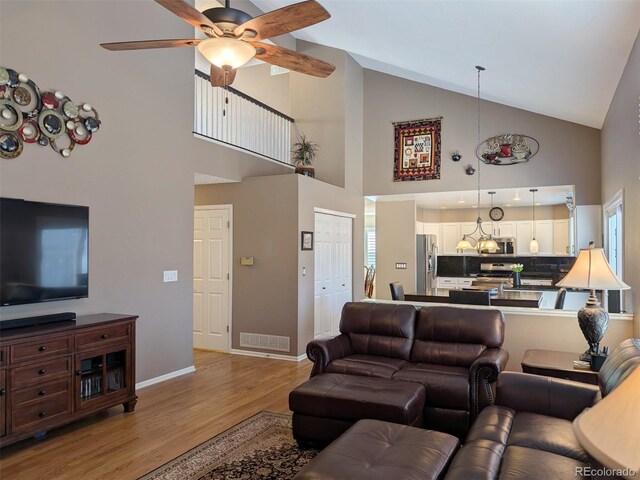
482 373
550 396
321 352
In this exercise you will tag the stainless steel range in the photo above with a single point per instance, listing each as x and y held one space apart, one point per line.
494 272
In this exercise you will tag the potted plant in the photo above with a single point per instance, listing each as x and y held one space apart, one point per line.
304 152
516 269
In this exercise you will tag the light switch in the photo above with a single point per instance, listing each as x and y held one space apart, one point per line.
247 261
401 266
170 276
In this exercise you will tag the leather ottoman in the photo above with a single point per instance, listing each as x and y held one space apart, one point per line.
326 405
372 450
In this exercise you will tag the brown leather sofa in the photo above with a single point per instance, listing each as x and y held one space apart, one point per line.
454 352
526 434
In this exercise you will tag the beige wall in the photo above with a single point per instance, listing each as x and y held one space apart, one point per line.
265 226
257 82
621 170
553 332
395 242
569 153
136 175
511 214
313 194
353 125
318 106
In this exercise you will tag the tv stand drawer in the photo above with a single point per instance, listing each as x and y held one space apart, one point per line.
42 348
99 336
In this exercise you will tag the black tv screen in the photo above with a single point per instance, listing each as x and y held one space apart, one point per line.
44 252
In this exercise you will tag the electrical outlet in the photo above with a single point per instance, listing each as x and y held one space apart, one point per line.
170 276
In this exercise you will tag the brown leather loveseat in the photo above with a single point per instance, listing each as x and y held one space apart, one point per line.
454 352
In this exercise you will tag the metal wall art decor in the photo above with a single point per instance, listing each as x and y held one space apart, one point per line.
28 115
417 150
507 149
455 156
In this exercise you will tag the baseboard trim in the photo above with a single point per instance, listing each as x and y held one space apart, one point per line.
166 376
275 356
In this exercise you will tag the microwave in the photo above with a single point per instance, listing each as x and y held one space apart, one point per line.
506 246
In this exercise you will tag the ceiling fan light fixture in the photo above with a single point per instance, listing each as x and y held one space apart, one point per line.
226 52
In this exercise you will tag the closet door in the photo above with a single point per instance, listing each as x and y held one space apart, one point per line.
324 285
333 254
342 262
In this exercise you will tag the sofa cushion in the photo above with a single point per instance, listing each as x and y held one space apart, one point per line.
619 365
505 444
366 365
372 449
386 330
550 434
452 336
522 462
447 386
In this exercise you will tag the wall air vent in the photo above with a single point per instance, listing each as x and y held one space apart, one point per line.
265 342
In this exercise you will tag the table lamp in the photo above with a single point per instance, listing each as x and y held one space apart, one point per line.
609 431
592 271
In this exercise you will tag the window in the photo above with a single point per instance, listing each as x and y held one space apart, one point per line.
613 220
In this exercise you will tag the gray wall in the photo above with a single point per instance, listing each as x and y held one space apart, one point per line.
569 153
265 226
511 214
621 170
136 175
313 194
272 296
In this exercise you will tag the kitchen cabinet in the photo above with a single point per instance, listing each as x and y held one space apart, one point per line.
561 237
544 235
450 236
454 282
504 229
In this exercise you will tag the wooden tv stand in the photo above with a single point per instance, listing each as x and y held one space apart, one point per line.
54 374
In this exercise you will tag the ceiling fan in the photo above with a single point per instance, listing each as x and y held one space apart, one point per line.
234 38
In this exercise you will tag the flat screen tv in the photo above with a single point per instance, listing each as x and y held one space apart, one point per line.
44 252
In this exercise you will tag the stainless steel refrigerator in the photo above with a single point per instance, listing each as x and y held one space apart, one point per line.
427 257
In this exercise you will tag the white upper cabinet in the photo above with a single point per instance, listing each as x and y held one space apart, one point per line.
450 236
544 235
504 229
561 237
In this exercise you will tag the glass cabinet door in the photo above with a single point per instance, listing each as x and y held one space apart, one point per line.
101 374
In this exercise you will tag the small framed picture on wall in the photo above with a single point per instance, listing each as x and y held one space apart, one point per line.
306 241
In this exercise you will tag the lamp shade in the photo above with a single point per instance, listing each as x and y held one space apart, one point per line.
592 271
609 431
463 244
226 52
487 243
533 246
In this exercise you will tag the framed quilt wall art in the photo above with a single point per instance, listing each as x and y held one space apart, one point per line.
417 150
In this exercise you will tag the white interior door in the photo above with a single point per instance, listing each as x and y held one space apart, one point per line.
333 254
211 278
323 290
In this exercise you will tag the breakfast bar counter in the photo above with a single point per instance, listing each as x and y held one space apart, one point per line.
512 298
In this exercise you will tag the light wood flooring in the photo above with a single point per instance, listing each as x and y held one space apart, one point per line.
170 418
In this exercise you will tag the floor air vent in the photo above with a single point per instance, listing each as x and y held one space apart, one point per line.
266 342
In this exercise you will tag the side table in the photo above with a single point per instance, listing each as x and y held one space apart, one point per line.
552 363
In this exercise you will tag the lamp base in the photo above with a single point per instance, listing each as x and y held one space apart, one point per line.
593 321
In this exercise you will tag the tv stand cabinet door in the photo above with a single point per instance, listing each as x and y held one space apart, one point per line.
3 403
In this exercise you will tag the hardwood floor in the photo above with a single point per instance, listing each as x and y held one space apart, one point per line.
170 418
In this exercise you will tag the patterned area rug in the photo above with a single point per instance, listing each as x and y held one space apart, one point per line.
261 447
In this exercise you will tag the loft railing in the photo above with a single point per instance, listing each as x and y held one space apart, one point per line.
233 118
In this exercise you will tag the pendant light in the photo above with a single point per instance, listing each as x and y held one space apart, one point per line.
533 246
485 241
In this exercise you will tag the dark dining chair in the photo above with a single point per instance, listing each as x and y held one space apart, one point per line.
397 292
562 293
469 297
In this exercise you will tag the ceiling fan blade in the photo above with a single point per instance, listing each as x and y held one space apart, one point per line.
217 77
298 62
285 20
190 15
146 44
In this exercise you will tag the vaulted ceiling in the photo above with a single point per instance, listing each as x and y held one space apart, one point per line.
559 58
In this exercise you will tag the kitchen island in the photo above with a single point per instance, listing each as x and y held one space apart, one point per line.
512 298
